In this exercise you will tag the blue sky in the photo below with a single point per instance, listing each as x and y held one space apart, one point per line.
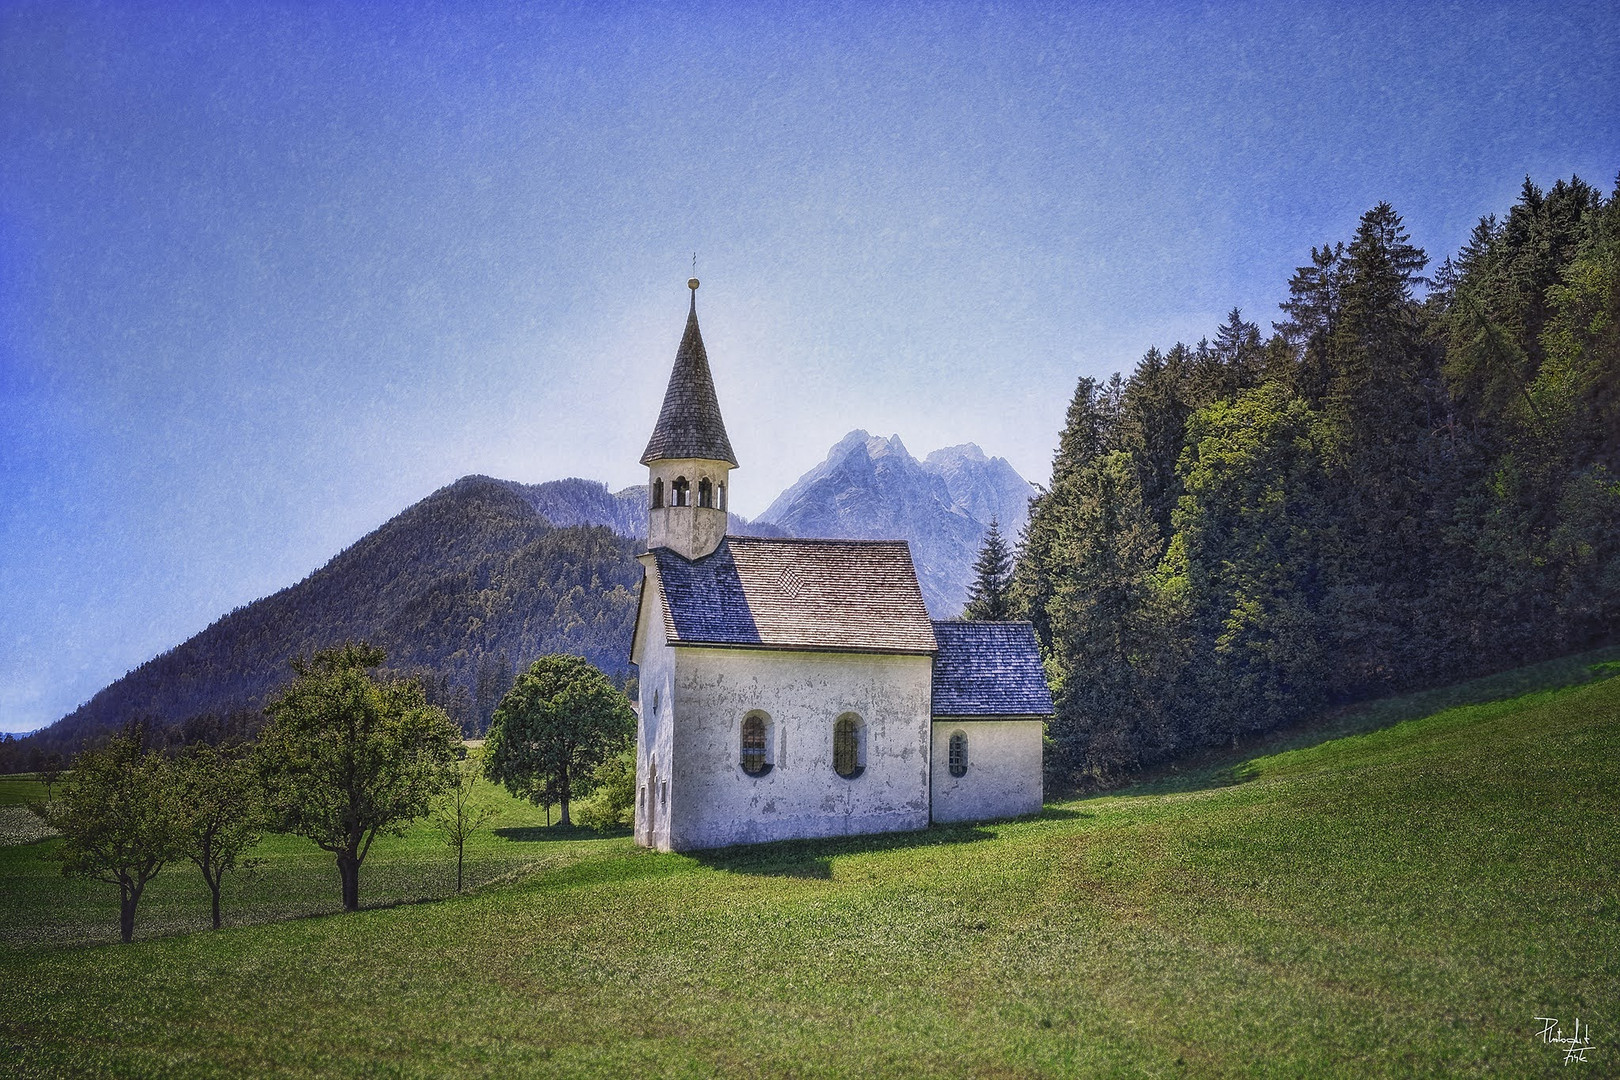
270 272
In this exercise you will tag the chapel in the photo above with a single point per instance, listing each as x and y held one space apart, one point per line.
797 688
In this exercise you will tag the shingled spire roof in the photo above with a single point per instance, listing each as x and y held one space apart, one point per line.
689 424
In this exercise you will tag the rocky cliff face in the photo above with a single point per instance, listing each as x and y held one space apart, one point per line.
985 488
871 488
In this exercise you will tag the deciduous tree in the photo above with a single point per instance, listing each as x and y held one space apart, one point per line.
51 766
459 814
117 819
219 807
612 801
346 757
558 722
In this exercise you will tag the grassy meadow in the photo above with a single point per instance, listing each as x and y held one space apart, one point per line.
292 879
1399 890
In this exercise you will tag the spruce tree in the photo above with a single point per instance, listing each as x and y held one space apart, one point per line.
987 596
1090 429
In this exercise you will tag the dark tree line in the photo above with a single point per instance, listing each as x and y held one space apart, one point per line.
1406 482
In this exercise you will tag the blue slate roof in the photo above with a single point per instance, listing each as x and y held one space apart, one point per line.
848 595
989 669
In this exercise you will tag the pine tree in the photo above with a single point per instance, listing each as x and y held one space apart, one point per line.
1153 425
1389 493
1107 638
1090 430
988 598
1379 365
1313 310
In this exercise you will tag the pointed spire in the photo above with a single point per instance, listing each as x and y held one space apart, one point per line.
689 424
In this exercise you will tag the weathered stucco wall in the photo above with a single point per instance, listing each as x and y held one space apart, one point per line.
654 745
692 530
715 803
1003 770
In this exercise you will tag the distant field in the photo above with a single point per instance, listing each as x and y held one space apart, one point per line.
293 878
1395 901
19 789
17 824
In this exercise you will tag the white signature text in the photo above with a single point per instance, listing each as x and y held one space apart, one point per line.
1573 1047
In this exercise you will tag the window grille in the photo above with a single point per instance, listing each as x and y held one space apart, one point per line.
753 746
959 754
847 747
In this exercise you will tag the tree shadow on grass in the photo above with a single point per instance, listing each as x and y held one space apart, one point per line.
529 834
1227 767
813 858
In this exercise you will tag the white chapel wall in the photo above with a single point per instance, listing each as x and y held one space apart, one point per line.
716 803
1003 776
654 747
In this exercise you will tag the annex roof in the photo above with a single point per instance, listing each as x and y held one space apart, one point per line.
847 595
689 424
989 669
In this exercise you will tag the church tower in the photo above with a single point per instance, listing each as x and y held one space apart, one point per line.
688 458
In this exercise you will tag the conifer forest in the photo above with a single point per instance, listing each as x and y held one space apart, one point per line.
1412 478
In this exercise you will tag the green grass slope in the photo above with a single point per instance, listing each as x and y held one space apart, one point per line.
1403 901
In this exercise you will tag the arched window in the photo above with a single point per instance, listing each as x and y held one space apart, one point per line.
705 492
849 746
756 741
658 493
680 492
959 754
722 496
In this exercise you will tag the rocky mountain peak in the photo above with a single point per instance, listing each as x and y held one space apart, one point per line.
871 488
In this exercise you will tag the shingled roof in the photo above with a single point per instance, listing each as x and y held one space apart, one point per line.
847 595
689 424
989 669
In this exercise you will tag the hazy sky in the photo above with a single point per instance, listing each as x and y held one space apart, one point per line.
271 272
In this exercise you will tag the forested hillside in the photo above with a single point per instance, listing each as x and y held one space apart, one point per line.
461 588
1408 480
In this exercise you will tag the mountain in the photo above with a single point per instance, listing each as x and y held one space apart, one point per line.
482 576
571 502
574 501
462 586
985 488
871 488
